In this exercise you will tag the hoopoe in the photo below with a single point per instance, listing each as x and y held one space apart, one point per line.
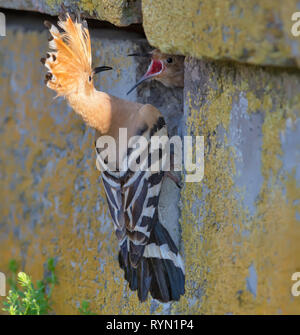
167 69
148 255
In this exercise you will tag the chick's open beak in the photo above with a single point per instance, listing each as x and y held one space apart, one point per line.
155 68
101 69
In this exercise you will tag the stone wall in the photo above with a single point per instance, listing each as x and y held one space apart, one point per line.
118 12
240 225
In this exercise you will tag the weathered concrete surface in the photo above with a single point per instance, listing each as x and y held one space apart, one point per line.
118 12
256 32
241 226
52 202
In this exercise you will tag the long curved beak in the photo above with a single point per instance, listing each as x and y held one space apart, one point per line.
144 78
155 68
101 69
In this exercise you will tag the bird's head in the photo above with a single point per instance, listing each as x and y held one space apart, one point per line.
70 62
168 69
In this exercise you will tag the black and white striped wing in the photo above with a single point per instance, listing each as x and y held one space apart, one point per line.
133 198
148 255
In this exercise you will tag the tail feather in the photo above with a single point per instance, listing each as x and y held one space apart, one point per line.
160 288
175 281
144 279
159 271
130 273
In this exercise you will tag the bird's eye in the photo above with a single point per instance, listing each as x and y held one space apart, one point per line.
169 60
90 78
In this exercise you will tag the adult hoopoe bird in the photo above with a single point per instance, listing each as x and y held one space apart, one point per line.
148 255
167 69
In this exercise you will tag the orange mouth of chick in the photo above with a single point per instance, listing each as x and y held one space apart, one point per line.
155 68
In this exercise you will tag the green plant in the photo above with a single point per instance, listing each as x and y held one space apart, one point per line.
85 308
30 299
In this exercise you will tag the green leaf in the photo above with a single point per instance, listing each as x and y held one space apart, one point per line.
51 265
85 308
24 280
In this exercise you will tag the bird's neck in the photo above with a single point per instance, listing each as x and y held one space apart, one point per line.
94 108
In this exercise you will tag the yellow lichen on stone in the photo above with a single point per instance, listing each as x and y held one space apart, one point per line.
254 32
224 245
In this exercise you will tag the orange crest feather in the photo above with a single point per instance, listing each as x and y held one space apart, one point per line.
71 57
